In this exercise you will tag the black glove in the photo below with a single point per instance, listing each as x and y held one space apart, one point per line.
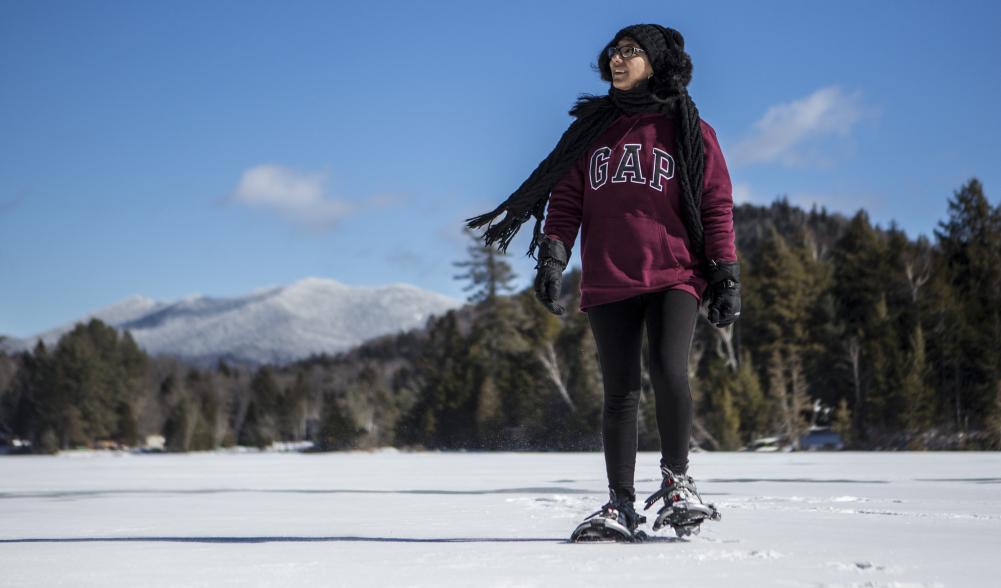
553 258
724 292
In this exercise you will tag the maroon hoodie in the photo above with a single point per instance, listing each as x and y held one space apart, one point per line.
624 196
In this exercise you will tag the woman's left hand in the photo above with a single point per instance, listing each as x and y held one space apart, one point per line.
724 292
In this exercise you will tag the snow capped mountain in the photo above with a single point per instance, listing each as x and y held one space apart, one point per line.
271 325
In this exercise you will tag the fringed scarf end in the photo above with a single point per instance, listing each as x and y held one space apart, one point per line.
537 235
480 220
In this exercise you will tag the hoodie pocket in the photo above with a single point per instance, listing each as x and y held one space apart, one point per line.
626 251
680 250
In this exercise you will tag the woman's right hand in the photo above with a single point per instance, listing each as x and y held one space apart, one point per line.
553 258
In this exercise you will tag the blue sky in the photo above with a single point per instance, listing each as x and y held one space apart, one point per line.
178 148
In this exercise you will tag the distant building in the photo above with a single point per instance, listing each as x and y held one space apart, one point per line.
155 442
10 444
767 444
817 439
821 438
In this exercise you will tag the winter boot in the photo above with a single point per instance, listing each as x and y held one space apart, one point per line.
683 508
616 521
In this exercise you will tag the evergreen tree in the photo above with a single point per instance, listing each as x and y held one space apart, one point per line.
93 380
84 396
799 401
338 428
994 421
843 421
862 276
749 401
180 425
918 398
380 415
8 370
970 244
292 417
444 415
787 387
728 422
942 313
785 290
489 414
496 345
127 430
259 426
34 412
723 419
205 405
777 394
488 273
130 371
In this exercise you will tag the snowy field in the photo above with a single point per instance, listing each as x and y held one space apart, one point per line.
485 519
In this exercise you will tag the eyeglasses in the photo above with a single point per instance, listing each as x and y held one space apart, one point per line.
627 52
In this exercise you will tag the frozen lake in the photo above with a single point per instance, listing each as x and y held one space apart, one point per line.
489 519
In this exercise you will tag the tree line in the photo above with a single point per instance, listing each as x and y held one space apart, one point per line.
890 341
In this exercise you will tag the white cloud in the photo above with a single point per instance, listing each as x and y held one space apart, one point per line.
784 133
299 197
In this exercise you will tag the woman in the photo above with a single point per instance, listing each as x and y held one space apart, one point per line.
643 179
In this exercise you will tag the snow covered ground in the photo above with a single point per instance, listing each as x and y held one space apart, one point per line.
486 519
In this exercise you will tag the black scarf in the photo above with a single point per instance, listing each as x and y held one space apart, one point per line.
594 114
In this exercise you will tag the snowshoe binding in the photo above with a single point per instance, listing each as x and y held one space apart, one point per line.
683 508
616 522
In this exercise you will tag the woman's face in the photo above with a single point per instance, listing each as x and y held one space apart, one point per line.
626 73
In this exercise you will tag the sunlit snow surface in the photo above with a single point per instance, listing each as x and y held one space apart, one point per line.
485 519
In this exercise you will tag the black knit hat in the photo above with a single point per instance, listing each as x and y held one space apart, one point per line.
665 48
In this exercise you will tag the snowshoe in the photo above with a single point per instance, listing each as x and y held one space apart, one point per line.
616 521
683 508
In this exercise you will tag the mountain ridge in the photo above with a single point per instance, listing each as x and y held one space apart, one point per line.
273 325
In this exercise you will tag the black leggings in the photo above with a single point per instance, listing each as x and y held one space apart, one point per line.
669 316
